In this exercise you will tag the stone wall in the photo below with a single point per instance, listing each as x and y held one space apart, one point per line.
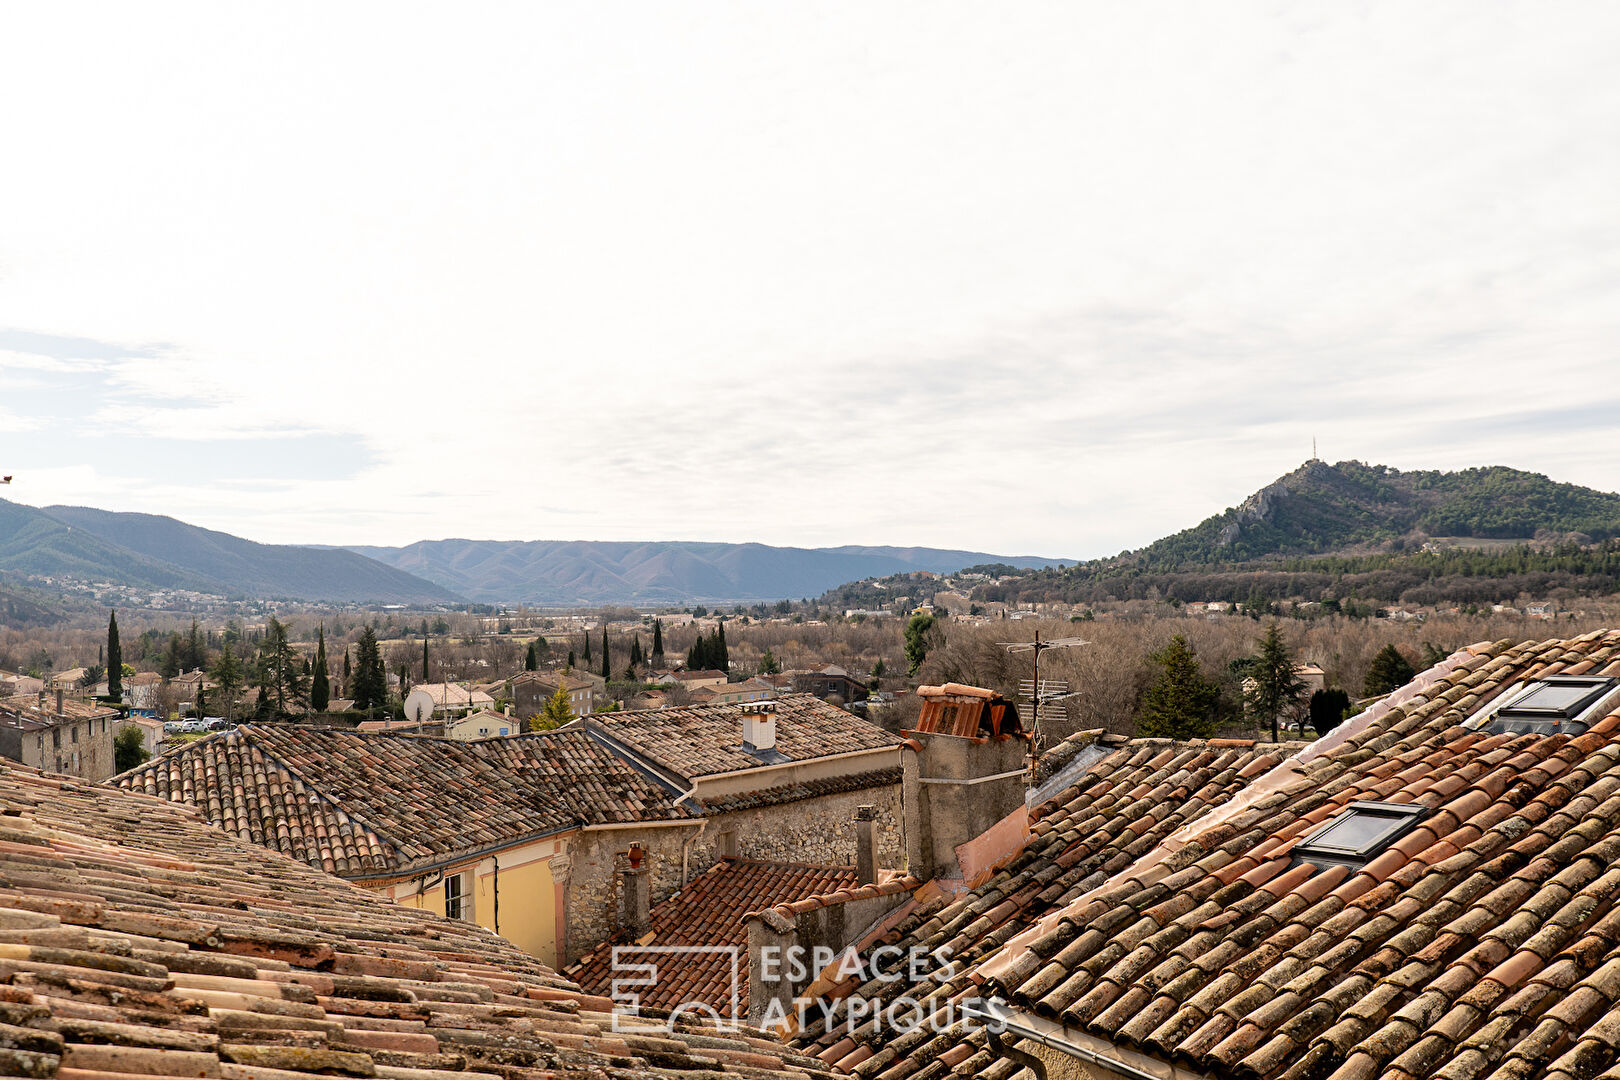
594 892
819 831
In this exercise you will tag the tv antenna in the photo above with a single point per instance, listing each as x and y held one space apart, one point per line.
1049 692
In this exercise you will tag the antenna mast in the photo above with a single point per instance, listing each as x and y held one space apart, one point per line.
1041 694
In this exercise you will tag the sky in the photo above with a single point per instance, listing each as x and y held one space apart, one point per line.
1033 278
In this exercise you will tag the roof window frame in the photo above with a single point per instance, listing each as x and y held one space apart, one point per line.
1513 717
1402 819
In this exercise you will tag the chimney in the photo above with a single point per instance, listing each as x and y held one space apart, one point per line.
637 918
759 725
866 827
59 701
41 699
965 772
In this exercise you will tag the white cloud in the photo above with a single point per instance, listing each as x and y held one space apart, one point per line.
804 273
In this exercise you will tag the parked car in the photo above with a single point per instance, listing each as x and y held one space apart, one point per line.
214 723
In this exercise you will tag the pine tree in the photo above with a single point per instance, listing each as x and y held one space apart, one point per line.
194 653
768 664
320 686
227 675
658 644
1272 686
115 660
281 669
1389 671
607 672
1182 701
370 686
171 658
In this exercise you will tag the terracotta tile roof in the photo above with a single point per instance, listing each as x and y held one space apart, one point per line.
805 789
1483 945
141 941
711 911
1137 793
373 804
28 714
700 740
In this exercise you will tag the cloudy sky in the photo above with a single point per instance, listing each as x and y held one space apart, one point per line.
1026 278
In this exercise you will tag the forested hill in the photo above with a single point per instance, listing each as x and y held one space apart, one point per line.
1321 508
1369 532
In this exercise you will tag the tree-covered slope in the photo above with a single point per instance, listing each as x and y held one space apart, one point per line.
237 567
33 542
597 572
1322 508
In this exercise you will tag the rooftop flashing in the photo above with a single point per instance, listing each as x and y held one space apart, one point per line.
1358 833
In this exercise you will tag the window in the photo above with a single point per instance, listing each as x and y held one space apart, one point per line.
56 738
458 895
1360 832
1556 705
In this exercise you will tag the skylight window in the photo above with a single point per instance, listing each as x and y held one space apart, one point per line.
1556 705
1359 833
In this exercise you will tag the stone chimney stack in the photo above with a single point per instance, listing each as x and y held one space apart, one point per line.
965 773
866 831
759 725
637 918
59 701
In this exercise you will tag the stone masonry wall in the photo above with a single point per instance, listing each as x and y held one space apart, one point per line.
819 831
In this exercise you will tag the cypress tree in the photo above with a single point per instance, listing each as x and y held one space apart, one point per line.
425 677
115 660
606 671
658 644
570 659
722 656
347 670
320 686
531 662
587 636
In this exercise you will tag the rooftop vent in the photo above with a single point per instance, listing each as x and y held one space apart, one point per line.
1556 705
1359 833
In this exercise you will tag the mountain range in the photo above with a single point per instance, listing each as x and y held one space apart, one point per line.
155 552
583 573
150 551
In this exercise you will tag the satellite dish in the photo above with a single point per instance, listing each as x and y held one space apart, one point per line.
418 707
